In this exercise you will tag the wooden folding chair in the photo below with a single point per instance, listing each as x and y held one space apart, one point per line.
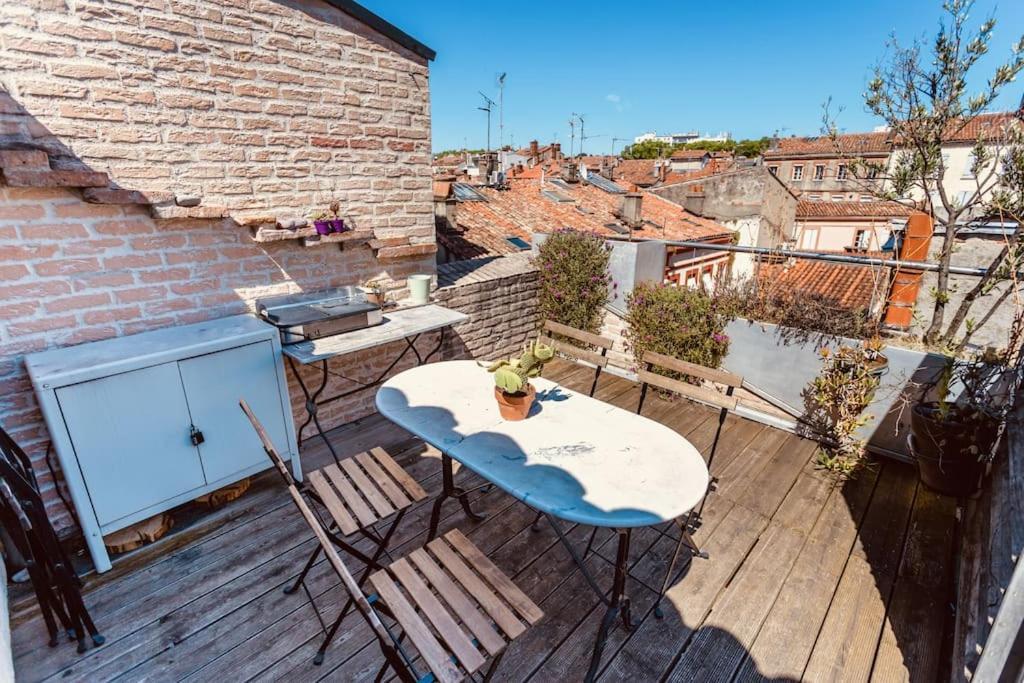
357 495
703 394
599 359
457 608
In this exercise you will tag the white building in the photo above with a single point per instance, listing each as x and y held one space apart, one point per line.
683 138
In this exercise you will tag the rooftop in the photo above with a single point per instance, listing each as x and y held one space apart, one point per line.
528 207
849 286
825 146
851 209
805 579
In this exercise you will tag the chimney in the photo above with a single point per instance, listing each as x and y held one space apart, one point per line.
663 171
917 237
556 150
632 203
444 213
570 172
534 147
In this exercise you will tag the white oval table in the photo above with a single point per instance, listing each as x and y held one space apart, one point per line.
575 458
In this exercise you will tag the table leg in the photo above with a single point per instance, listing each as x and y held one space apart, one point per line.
312 405
617 604
450 490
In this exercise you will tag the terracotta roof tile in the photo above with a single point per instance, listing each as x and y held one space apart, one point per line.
684 154
849 286
982 127
824 145
819 209
640 172
522 210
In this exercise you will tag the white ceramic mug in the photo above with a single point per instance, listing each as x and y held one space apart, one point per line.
419 288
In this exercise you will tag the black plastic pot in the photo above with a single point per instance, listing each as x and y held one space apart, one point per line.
951 450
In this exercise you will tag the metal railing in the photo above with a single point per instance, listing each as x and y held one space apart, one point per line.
835 258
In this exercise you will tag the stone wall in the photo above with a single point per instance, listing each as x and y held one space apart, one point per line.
500 296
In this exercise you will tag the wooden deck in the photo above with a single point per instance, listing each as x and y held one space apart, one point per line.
806 580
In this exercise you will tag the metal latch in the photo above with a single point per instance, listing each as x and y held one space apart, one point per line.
196 435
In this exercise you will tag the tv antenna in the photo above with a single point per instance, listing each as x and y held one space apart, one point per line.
614 140
572 133
583 137
488 108
501 110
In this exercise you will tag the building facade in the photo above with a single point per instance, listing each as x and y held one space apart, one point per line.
817 168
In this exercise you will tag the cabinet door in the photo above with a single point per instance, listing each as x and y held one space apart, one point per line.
214 383
131 438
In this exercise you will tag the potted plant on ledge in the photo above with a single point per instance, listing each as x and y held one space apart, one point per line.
512 389
954 437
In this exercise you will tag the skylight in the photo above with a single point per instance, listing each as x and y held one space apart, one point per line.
556 196
467 193
518 242
602 183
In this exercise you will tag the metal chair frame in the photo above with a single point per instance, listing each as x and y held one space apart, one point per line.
56 584
369 607
724 402
334 534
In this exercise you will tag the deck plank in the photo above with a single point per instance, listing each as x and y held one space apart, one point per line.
849 637
784 643
790 556
911 644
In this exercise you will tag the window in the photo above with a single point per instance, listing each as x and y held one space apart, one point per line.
969 168
814 197
819 172
838 198
862 240
872 172
774 170
841 172
962 197
866 198
798 173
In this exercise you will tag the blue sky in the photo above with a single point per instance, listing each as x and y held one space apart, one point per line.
750 67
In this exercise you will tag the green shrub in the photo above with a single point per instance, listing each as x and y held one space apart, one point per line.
574 279
834 405
685 323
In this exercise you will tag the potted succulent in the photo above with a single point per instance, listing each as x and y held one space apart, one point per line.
954 437
321 222
327 222
374 291
336 221
512 389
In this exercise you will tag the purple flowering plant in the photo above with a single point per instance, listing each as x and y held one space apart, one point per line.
682 322
574 280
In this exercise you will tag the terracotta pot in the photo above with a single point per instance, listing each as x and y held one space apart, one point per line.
515 406
951 453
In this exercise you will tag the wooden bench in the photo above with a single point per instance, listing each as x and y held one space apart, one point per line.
599 359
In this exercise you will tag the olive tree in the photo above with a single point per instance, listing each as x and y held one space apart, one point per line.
922 93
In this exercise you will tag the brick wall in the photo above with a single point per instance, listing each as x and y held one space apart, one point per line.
262 111
73 272
259 106
500 296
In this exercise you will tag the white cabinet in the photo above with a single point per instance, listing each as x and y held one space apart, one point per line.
147 422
